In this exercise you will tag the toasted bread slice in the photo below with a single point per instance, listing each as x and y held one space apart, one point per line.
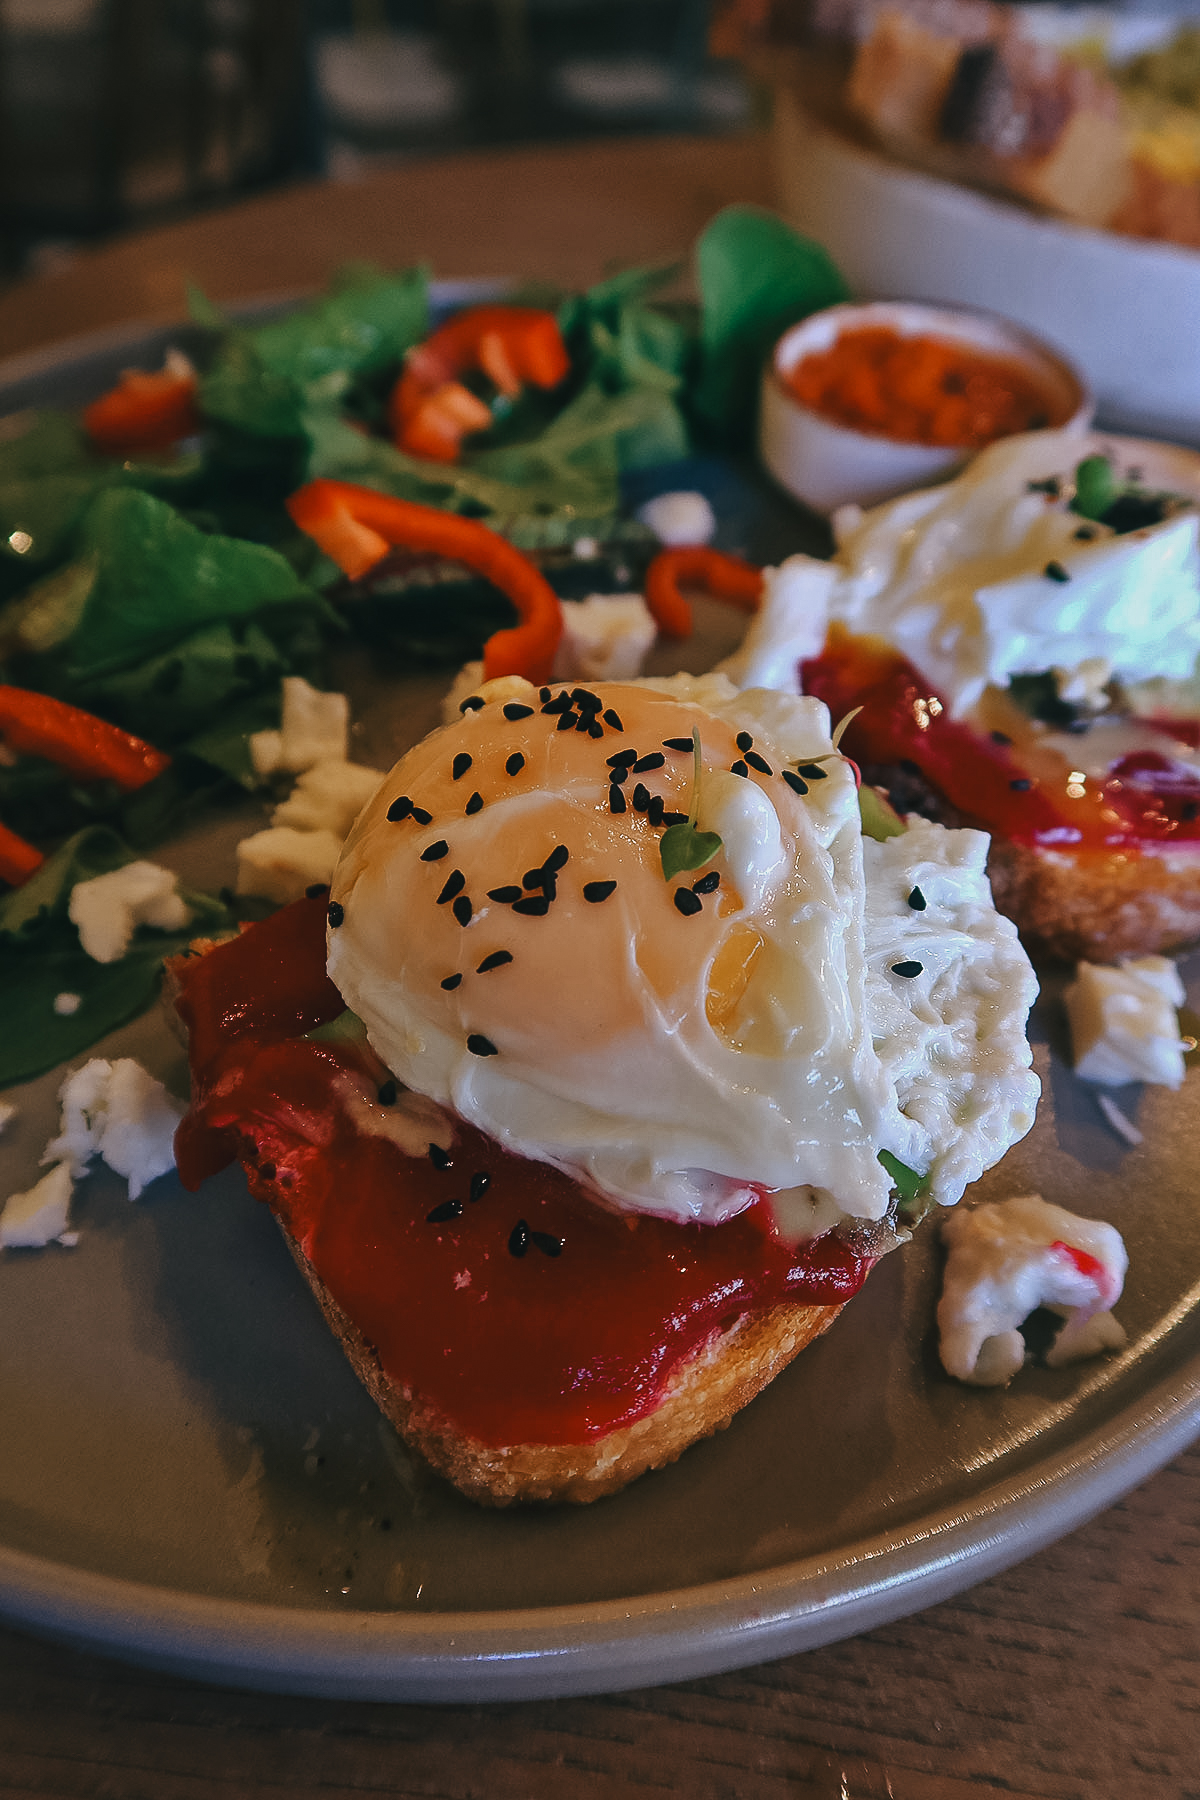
700 1398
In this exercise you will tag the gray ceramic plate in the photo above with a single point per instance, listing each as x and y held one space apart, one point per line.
192 1478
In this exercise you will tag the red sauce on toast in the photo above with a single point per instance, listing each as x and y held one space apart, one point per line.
522 1311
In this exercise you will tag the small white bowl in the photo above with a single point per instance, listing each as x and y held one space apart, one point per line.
828 465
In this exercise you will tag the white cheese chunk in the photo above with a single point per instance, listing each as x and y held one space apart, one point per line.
38 1217
120 1113
327 797
314 727
605 638
789 626
680 518
1007 1259
1123 1022
280 863
108 909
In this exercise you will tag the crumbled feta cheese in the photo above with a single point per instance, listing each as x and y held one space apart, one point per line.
1123 1022
605 638
38 1217
680 518
1007 1259
789 626
67 1005
314 727
280 863
120 1113
108 909
327 797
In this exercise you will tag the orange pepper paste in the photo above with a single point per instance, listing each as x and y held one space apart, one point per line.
922 390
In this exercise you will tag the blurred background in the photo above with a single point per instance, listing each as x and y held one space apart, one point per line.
122 112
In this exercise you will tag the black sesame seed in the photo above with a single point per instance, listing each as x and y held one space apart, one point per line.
557 859
471 704
441 1159
461 764
478 1045
463 909
681 743
917 900
435 852
585 721
480 1183
641 797
707 884
687 902
672 818
656 809
535 907
744 742
612 718
738 768
813 771
514 710
474 805
624 759
317 891
568 721
907 969
399 809
1001 737
533 878
455 884
451 982
1020 784
335 913
595 728
386 1094
421 816
585 700
449 1209
496 960
515 763
518 1239
1085 534
618 776
559 704
547 1243
655 760
595 891
504 896
759 762
616 800
1054 571
794 781
543 694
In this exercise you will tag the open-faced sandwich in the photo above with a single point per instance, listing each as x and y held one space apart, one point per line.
601 1077
1022 645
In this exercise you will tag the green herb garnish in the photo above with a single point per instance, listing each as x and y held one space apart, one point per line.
880 820
347 1028
912 1190
682 846
1095 487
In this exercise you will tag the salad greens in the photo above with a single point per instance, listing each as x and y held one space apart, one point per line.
170 594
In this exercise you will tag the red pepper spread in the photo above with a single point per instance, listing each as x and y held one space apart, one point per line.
1145 800
491 1287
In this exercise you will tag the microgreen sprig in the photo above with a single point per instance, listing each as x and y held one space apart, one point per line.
683 847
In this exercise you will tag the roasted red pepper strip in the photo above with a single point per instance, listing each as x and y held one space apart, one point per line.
18 860
723 576
36 725
430 410
144 411
357 526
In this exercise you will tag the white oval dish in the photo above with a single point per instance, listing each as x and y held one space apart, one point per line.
1124 309
828 465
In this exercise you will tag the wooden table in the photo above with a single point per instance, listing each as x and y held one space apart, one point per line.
1074 1675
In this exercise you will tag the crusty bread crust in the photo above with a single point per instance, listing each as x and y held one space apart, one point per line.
1098 905
701 1397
